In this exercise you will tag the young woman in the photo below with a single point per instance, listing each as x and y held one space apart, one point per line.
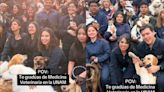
121 26
49 47
160 24
77 51
98 51
29 17
121 63
77 54
16 42
16 12
31 48
108 9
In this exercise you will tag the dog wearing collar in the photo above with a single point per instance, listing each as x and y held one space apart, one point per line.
145 76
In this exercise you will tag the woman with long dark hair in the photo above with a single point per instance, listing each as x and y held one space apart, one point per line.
77 55
16 42
49 47
160 24
32 41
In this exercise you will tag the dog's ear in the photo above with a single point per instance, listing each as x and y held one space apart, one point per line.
155 60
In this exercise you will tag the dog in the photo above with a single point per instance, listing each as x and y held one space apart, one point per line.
5 85
72 87
3 67
156 6
135 32
40 62
16 59
145 76
12 73
112 29
93 77
89 18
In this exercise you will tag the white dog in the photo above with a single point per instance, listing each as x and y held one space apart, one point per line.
135 32
112 29
12 73
89 18
156 6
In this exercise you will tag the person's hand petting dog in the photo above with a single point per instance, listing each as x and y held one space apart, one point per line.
153 69
94 59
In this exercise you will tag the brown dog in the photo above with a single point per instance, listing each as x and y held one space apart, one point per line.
5 85
145 76
93 77
72 87
40 62
17 59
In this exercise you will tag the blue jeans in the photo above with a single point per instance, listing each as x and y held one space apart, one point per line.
160 81
105 72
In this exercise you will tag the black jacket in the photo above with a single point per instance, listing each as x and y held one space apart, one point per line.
13 46
57 61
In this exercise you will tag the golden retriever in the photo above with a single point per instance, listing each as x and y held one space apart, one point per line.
145 76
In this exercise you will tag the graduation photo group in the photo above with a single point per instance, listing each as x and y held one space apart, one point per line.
95 42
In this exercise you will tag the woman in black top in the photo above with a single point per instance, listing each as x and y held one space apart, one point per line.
121 64
32 48
69 25
15 43
77 54
77 51
49 47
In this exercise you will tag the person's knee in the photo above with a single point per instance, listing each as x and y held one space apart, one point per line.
105 79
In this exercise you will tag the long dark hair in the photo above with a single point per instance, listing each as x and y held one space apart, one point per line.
54 42
3 29
36 35
77 43
37 29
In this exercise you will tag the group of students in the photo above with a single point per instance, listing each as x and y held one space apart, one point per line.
112 54
58 31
